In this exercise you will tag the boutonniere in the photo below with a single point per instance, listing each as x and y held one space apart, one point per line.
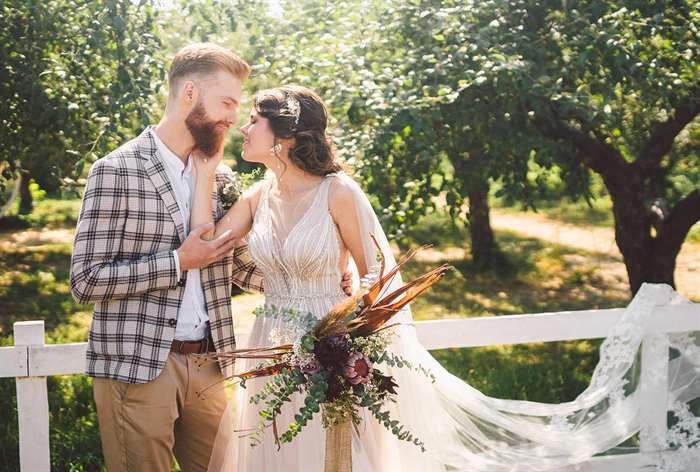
235 185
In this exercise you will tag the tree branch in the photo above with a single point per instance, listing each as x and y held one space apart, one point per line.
664 133
599 156
679 220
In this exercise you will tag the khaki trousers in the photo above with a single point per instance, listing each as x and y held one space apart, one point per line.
142 425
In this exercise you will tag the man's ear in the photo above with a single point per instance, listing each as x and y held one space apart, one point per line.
189 93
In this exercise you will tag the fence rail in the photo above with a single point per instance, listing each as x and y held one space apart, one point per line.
30 361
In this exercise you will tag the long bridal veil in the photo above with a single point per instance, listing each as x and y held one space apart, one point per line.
465 430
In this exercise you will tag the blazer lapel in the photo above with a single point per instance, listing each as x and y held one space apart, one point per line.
155 168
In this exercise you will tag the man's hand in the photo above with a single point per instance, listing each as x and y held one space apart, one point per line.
196 252
346 283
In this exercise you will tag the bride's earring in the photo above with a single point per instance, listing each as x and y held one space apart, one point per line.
276 149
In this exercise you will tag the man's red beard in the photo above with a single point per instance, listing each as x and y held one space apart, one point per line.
208 134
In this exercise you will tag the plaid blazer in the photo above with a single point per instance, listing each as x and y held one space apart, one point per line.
122 261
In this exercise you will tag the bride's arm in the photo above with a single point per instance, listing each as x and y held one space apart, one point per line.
238 219
341 203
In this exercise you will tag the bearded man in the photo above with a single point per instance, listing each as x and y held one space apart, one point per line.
162 294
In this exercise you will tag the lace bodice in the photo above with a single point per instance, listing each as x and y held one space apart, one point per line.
301 271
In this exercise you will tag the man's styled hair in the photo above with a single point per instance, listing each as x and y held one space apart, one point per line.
205 58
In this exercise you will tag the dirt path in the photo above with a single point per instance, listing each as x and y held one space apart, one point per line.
596 239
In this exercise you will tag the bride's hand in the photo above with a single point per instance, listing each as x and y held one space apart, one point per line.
346 283
205 166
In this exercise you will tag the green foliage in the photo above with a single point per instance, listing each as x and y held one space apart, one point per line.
481 77
74 434
9 447
76 78
555 204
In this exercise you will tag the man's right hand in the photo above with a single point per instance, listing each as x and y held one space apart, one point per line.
196 252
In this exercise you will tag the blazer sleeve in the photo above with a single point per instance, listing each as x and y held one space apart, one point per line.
245 274
97 275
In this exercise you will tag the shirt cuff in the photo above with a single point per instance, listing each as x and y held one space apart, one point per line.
177 264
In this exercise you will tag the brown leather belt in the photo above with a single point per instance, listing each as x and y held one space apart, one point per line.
193 347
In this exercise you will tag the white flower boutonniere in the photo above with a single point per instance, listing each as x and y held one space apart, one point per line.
234 187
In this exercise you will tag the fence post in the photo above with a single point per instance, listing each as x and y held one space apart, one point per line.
32 404
654 377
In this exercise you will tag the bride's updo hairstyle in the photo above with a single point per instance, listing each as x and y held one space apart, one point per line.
295 112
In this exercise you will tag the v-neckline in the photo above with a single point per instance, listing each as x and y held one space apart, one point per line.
282 246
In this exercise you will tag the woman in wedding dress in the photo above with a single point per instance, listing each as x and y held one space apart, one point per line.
307 221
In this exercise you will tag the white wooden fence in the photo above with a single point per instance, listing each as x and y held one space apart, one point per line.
30 361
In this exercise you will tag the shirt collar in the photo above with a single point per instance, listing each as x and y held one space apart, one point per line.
171 159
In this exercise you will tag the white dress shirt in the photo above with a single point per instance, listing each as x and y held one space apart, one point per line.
192 316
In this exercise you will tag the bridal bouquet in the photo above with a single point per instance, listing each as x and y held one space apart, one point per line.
334 360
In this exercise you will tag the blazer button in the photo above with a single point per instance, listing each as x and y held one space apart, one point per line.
181 283
171 321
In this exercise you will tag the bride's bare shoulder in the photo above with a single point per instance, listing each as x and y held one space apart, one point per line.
253 193
340 195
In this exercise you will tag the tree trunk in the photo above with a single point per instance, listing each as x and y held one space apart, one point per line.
480 227
662 264
470 167
649 258
26 205
670 237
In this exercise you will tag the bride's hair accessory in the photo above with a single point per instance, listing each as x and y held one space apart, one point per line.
291 107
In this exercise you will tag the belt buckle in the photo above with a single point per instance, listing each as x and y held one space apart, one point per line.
206 345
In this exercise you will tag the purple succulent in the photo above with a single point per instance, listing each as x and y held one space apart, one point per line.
332 352
358 369
335 388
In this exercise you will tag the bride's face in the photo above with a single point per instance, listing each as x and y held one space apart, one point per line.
258 139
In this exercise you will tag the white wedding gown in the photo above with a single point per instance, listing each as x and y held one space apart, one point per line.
299 252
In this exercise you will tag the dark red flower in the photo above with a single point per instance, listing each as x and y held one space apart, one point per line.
385 383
